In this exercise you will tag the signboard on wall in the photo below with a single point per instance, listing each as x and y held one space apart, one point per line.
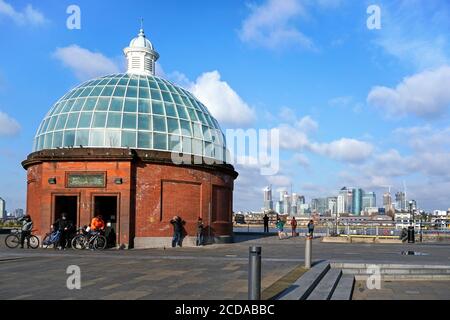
86 180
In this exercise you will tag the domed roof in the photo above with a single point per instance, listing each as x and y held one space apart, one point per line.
141 41
131 111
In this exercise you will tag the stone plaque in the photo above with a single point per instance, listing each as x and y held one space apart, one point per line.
86 180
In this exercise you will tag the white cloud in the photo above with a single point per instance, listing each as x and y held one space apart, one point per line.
302 160
307 124
85 63
221 100
348 150
8 125
270 25
425 94
280 180
29 16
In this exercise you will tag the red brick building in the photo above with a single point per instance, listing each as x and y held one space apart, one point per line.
112 146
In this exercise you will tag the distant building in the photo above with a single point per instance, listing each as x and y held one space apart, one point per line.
357 198
319 205
3 209
18 213
268 201
332 205
400 201
369 200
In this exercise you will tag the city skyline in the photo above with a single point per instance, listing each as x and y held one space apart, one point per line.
273 65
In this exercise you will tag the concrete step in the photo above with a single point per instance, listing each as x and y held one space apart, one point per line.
304 285
344 289
324 290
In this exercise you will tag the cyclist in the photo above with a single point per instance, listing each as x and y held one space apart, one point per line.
27 226
97 224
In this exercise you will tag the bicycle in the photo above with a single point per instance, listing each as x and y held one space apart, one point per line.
52 239
13 240
84 240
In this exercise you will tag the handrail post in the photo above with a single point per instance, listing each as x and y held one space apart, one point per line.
254 273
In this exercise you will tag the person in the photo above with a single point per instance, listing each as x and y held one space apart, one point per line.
177 224
64 226
294 227
27 226
200 228
110 235
266 223
310 229
280 227
97 223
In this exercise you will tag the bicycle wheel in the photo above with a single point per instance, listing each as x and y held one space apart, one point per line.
79 242
12 241
34 242
46 242
100 243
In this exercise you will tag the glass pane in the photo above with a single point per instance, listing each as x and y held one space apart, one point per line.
107 91
90 104
157 108
82 138
144 93
68 106
123 81
166 96
182 112
177 99
78 105
72 120
144 122
97 138
201 117
96 92
129 139
156 95
133 82
153 85
61 121
197 147
192 114
69 138
187 145
129 121
197 130
144 140
119 91
52 123
102 104
114 120
116 104
160 141
85 120
185 128
206 133
170 110
112 138
99 120
144 106
174 143
173 126
132 92
159 124
130 105
48 141
57 139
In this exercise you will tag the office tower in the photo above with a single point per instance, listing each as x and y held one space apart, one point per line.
357 201
369 200
400 201
268 201
3 208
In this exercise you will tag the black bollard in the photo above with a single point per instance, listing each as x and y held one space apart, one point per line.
254 273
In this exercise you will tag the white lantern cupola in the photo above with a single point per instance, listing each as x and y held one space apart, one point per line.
141 57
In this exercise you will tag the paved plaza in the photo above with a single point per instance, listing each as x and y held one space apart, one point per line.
210 272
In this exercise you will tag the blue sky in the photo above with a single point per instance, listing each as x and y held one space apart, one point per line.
354 106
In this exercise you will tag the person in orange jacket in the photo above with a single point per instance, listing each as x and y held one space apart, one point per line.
97 223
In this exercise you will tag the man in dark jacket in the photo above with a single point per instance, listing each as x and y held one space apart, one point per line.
266 223
177 224
311 229
200 236
64 226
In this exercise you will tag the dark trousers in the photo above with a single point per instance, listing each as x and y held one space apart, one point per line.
25 235
266 228
176 240
294 231
63 239
200 239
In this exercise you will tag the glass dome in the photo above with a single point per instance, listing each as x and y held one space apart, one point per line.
131 111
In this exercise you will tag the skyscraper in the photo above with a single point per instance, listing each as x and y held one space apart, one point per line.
369 200
400 201
268 201
357 197
3 208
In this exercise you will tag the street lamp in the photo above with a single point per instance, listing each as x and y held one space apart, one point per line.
411 213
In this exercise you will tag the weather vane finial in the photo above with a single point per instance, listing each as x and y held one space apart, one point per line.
142 23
